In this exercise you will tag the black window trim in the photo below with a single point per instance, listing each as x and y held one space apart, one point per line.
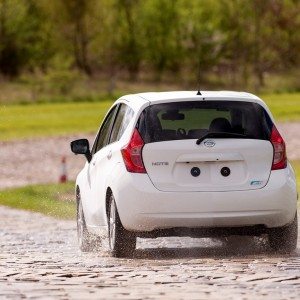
115 118
116 108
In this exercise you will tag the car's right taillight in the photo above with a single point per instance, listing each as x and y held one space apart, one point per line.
279 159
132 154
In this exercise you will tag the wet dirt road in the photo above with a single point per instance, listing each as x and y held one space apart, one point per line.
39 259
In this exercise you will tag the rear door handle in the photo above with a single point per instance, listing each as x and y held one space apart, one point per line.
109 155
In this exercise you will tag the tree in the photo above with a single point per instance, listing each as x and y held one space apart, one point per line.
23 37
76 14
128 26
200 37
161 35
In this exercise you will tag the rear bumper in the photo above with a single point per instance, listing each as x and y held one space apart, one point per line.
143 208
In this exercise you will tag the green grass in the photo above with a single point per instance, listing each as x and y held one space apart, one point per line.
51 119
36 120
284 107
56 200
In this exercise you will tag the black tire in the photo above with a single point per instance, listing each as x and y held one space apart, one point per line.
284 239
122 242
87 242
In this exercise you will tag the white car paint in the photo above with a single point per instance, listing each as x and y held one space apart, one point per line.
166 197
246 162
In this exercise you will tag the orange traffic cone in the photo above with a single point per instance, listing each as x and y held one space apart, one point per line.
63 175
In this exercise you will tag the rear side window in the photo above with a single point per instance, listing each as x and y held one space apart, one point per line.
103 135
193 119
123 118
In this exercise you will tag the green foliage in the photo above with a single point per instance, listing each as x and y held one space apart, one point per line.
233 43
52 119
56 200
259 38
162 35
24 37
128 30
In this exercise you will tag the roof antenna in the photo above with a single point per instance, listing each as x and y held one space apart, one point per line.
199 93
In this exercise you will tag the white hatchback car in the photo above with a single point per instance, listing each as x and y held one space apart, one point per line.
186 164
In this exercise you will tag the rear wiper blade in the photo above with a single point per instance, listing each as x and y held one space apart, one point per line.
221 135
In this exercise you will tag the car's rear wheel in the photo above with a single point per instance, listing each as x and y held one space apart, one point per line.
122 243
87 242
284 239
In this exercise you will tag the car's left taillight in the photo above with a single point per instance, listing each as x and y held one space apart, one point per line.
132 154
279 159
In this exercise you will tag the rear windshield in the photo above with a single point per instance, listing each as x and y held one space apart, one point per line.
194 119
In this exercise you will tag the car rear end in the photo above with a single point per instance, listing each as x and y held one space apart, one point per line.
205 164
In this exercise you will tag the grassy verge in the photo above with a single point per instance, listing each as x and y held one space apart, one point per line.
37 120
51 119
56 200
284 107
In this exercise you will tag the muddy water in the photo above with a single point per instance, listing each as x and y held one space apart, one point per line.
39 259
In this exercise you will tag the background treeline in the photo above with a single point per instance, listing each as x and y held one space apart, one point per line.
227 43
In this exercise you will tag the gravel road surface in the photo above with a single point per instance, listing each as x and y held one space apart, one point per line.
39 160
39 259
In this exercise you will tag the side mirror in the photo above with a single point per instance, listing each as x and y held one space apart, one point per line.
81 146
